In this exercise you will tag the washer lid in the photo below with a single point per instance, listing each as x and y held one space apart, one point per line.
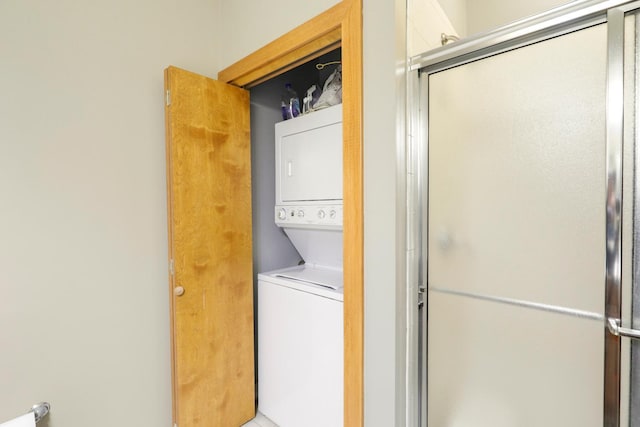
326 277
307 278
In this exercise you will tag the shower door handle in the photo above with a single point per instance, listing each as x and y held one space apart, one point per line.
614 327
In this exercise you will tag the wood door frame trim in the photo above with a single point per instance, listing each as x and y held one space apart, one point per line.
340 25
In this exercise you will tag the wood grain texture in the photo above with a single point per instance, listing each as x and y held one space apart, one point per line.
209 180
295 47
170 246
345 21
308 52
353 216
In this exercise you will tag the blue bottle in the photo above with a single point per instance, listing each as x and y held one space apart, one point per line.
286 111
294 101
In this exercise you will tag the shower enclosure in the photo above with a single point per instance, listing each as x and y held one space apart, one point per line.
529 208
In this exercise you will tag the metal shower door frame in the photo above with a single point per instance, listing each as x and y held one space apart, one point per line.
556 22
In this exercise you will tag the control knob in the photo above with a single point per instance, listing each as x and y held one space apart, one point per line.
282 214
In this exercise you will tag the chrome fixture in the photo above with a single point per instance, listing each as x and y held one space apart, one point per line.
40 410
446 38
614 327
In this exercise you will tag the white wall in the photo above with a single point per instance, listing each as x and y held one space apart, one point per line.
385 312
465 18
83 271
456 10
250 24
489 14
426 22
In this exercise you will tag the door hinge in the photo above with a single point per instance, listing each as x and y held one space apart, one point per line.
168 97
172 270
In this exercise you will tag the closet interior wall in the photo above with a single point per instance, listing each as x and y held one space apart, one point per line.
271 247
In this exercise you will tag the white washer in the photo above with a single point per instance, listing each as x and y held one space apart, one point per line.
300 329
300 347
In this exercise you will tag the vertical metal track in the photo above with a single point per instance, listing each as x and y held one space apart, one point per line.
423 190
613 271
413 251
634 405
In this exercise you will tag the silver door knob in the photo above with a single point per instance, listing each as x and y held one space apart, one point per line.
178 291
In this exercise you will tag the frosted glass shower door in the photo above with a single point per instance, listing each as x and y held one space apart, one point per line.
516 246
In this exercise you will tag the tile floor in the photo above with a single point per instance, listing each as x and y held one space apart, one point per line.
260 421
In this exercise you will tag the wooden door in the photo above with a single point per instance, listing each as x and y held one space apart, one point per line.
209 219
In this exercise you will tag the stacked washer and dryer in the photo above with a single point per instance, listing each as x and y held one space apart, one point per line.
300 308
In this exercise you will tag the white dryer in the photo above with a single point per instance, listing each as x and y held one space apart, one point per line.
300 308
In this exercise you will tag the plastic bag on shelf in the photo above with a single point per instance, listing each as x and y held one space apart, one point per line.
332 91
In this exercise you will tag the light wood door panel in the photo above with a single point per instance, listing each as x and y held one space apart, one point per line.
209 190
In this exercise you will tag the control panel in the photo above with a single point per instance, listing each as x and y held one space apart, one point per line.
309 216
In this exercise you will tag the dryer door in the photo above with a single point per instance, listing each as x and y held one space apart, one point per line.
309 157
